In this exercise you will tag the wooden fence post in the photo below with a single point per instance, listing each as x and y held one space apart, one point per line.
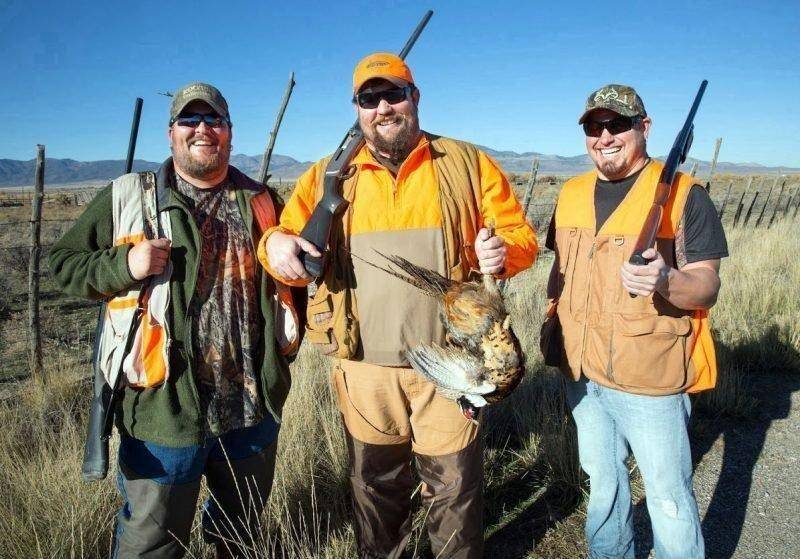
769 195
529 190
740 206
717 144
693 172
263 173
750 209
777 205
34 328
725 202
790 200
785 212
796 207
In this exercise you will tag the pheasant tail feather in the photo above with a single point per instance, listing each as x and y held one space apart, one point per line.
428 281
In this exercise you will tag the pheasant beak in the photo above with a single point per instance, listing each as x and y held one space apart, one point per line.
469 411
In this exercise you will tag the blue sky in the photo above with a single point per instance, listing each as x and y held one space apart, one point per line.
509 75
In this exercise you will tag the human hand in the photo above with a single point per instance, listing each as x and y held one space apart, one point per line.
282 251
491 252
644 280
148 258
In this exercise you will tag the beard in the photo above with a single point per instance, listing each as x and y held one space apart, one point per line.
209 166
400 144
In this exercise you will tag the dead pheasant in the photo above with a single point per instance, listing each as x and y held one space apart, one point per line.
483 362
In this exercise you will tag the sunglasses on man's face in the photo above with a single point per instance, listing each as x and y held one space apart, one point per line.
371 99
194 120
617 125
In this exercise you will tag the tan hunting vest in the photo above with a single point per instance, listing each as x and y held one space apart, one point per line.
643 345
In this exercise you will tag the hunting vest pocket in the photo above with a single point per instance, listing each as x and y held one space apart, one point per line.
651 352
330 325
566 269
111 346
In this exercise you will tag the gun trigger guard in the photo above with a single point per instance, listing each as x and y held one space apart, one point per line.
351 170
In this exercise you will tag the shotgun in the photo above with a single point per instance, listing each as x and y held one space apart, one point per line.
332 204
101 413
677 155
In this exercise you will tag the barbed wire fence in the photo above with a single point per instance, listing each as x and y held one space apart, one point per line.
62 325
39 325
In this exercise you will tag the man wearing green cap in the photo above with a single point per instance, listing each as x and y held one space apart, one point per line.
204 378
636 339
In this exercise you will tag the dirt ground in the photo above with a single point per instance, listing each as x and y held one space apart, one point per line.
745 482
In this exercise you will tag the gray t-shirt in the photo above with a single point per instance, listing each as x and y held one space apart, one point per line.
226 319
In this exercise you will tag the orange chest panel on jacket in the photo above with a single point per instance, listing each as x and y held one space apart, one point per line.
382 202
643 345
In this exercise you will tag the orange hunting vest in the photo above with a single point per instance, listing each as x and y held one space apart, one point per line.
643 345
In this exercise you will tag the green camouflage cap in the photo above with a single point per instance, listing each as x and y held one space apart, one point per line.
621 99
198 91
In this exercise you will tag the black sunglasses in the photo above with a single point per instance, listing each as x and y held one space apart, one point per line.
617 125
371 99
194 120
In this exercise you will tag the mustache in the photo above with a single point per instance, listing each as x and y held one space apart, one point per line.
202 138
400 119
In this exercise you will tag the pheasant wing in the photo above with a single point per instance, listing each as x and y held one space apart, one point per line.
455 373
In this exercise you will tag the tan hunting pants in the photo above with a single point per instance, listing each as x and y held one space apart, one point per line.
392 415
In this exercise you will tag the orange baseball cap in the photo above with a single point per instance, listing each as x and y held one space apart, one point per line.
382 65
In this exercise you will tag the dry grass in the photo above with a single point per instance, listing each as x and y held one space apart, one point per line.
532 476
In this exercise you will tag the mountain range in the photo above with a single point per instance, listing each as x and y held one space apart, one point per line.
15 173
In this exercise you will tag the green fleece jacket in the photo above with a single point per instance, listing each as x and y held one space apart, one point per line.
86 263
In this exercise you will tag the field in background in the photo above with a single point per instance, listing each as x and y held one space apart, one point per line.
533 484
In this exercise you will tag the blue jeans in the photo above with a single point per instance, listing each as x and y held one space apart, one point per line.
160 485
612 423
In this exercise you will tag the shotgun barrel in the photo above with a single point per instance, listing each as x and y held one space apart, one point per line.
104 400
137 115
677 155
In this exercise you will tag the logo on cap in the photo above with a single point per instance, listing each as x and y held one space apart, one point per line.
610 95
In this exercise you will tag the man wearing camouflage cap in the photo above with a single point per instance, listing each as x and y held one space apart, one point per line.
636 339
204 378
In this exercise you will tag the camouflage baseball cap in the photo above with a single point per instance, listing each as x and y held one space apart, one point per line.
621 99
198 91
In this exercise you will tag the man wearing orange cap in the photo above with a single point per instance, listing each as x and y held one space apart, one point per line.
425 198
